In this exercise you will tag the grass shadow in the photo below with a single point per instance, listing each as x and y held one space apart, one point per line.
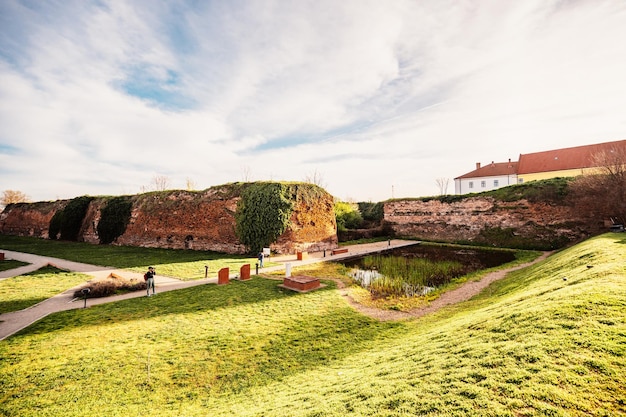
11 306
193 300
179 263
8 264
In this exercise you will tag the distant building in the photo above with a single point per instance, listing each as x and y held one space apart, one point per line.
488 177
566 162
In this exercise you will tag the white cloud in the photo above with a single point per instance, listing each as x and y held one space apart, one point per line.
98 97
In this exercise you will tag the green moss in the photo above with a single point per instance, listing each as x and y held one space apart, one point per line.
544 239
553 190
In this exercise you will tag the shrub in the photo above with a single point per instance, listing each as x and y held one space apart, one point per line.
347 215
371 212
109 287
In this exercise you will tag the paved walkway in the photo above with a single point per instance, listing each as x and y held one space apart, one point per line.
15 321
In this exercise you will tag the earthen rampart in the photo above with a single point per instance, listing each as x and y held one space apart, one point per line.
203 220
487 220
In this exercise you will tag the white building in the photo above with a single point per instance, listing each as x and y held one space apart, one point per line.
488 177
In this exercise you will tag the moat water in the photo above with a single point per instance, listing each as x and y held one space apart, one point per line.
473 259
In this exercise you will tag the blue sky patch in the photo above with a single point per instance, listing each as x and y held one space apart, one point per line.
8 149
164 92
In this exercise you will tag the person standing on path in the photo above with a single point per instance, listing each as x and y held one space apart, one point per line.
149 276
261 256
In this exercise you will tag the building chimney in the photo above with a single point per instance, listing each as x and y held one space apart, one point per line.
477 165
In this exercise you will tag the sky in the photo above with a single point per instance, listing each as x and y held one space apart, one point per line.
370 99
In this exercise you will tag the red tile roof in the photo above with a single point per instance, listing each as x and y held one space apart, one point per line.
563 159
494 169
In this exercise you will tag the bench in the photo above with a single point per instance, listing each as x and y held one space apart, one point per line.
338 251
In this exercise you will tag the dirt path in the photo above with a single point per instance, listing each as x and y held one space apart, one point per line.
463 293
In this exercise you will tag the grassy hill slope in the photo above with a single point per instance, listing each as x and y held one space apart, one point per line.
547 340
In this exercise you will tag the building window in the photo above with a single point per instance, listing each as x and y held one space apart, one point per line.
520 180
483 184
496 183
471 184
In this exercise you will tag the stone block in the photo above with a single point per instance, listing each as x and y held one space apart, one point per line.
223 276
244 272
301 283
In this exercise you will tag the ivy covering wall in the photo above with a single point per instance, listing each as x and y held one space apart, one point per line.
68 221
114 218
265 209
263 214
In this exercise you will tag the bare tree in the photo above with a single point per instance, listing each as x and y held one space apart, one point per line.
191 184
442 184
603 193
159 183
246 173
13 196
315 178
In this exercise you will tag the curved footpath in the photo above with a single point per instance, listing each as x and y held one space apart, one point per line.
15 321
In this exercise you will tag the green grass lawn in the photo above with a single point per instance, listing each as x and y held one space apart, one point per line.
7 264
182 264
549 340
29 289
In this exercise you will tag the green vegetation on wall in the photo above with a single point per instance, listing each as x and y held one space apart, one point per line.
68 221
55 225
544 239
372 212
550 190
265 209
114 218
263 214
348 216
553 190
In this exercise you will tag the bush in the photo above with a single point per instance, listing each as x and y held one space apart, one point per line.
110 286
348 216
372 212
